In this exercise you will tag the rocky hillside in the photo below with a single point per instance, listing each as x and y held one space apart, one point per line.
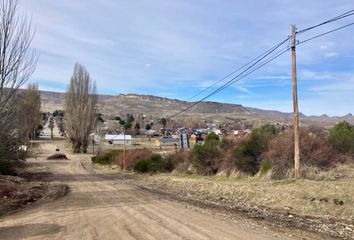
158 107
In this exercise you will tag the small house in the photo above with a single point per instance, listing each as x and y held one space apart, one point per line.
165 141
118 139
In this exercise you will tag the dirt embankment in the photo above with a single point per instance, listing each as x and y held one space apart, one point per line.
32 185
211 194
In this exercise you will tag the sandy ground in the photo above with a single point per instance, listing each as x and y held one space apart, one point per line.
103 207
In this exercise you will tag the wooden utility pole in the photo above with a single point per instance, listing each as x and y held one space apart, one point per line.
125 149
296 107
93 146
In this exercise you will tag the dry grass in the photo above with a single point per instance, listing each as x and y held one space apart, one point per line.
331 197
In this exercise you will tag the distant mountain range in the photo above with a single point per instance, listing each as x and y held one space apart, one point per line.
158 107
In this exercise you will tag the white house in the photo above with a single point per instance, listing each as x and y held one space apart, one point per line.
118 139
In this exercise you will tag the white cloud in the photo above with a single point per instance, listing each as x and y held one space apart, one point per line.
137 46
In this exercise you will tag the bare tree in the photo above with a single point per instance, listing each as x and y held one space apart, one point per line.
80 108
29 115
17 59
51 126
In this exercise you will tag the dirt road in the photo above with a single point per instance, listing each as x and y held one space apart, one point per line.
103 207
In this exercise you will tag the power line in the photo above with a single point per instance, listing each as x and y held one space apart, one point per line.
238 69
236 79
323 34
261 56
344 15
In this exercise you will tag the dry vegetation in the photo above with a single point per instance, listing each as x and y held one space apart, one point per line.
255 176
325 205
30 186
330 197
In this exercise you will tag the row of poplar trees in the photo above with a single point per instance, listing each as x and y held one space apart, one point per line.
20 110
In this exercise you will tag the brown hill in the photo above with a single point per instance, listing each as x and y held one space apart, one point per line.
158 107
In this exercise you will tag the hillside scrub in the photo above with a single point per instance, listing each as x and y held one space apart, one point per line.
266 151
248 154
315 151
155 163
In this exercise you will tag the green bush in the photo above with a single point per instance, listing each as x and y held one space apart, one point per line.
342 137
247 154
205 156
155 163
143 166
211 137
107 158
266 166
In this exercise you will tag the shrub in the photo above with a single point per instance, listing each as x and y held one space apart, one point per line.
315 150
342 137
143 166
180 161
205 156
107 158
132 157
153 164
8 146
247 154
176 158
211 137
226 163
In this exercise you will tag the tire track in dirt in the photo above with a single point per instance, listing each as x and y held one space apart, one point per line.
104 207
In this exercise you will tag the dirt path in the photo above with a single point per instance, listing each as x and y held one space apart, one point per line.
102 207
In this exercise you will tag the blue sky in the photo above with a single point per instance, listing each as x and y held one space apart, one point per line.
176 48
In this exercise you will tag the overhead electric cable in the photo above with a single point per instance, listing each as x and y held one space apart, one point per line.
238 69
323 34
344 15
235 79
257 64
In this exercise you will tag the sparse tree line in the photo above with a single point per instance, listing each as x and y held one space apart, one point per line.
20 116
